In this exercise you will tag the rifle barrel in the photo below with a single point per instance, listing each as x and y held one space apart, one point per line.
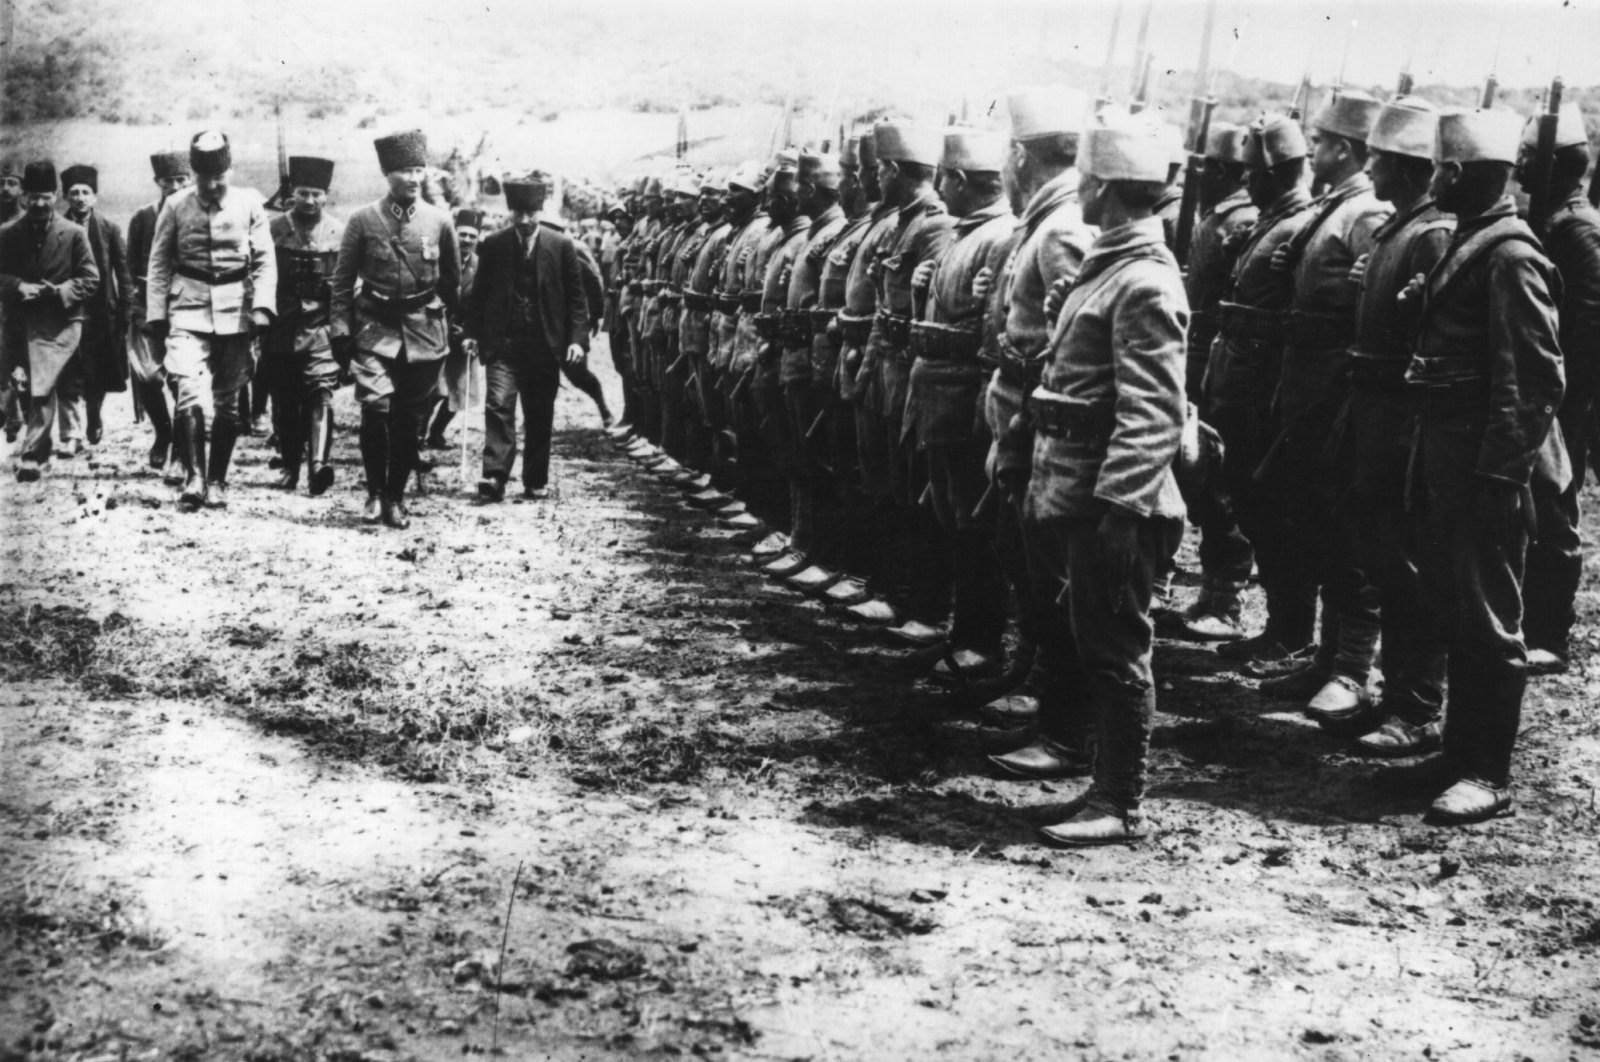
1544 157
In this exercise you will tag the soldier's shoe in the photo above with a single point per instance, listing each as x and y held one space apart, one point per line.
785 565
288 479
1097 823
1546 662
1265 647
1014 708
491 489
666 468
741 522
275 462
1211 627
691 481
961 666
733 508
216 494
72 448
1343 707
1397 737
915 632
774 545
29 472
394 514
620 431
606 419
1432 775
194 495
813 579
535 493
710 498
1301 684
1046 759
877 611
321 478
847 591
1468 801
372 512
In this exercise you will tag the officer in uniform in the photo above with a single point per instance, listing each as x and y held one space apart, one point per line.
1041 182
103 350
1103 507
394 333
1246 360
1376 443
307 238
1226 215
171 171
1318 332
947 382
1571 237
212 276
1485 383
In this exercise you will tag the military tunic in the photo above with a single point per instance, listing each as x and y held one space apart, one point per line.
302 332
1211 253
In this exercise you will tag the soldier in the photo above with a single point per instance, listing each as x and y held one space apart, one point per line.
103 349
395 332
947 382
1571 236
704 208
171 171
1103 506
1319 329
527 310
694 326
669 270
578 373
47 275
461 378
1226 215
1041 182
1485 382
211 267
643 315
1376 448
737 275
618 300
1246 361
308 239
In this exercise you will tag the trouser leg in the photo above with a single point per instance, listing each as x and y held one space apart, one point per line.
288 411
538 390
1555 556
1058 678
1413 655
71 407
153 397
499 421
36 443
374 440
584 379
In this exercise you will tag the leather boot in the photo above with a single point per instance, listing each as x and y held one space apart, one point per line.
374 438
1300 684
1110 815
192 450
1481 723
153 397
94 430
223 435
1048 759
321 431
402 458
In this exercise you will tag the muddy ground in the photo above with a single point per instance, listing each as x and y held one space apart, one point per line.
277 785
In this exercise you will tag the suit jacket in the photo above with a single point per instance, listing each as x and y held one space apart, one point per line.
562 307
105 325
43 334
594 285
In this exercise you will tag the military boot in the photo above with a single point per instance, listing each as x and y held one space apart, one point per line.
223 437
403 444
374 440
192 451
321 432
153 397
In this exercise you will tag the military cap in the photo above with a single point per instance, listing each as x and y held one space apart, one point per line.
899 141
786 159
307 171
1226 142
1119 146
715 182
526 191
687 185
1274 140
850 152
974 150
1349 114
9 168
80 174
402 151
1570 131
652 187
867 149
748 176
1045 110
1478 136
210 154
619 209
167 164
1407 125
821 169
468 219
39 177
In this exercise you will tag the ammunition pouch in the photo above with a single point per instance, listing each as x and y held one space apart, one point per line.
1017 371
795 328
894 327
728 305
856 330
1249 324
750 302
1058 417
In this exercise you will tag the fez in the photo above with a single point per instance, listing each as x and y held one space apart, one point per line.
1226 142
468 220
209 154
746 176
1126 147
821 169
1478 136
974 150
1350 115
80 174
1045 110
169 164
526 192
904 142
1274 140
402 151
9 168
1570 131
39 177
1407 125
306 171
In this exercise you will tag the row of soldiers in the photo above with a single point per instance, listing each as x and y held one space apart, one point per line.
1376 397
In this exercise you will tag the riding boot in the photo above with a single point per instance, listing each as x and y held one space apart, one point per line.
374 459
153 396
192 449
321 433
402 458
223 435
290 429
93 400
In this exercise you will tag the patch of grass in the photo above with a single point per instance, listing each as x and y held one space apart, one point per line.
40 641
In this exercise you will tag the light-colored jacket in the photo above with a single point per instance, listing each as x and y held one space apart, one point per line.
228 240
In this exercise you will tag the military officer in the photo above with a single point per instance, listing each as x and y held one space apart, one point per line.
308 239
1485 382
211 268
1102 506
1571 237
171 173
394 333
103 349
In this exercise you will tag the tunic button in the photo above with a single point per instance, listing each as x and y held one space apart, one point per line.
1549 409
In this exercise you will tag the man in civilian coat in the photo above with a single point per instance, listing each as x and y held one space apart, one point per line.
104 349
47 274
528 313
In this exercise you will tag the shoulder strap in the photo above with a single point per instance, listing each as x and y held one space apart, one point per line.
1469 252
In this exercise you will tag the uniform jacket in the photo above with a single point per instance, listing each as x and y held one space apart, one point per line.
1572 240
43 334
805 287
221 240
493 307
105 325
1487 371
594 285
860 285
1116 360
694 327
775 291
306 260
1052 240
923 231
1403 246
397 252
1210 262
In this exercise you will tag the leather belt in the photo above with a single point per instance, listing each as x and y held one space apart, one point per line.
1079 422
204 276
1319 331
1016 370
1237 321
694 300
856 330
943 342
821 320
726 304
386 306
895 327
1378 373
796 328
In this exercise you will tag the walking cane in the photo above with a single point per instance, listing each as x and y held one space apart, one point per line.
466 408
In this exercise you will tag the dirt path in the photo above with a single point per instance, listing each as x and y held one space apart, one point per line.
269 776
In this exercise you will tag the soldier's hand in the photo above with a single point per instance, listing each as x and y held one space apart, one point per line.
1282 262
922 278
1055 298
1412 290
1358 272
1234 241
1117 539
983 283
29 291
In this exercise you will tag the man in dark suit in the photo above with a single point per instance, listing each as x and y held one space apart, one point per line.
47 274
528 312
104 350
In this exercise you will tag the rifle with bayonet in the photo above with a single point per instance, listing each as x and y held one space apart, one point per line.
1103 97
1542 168
281 199
1201 107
